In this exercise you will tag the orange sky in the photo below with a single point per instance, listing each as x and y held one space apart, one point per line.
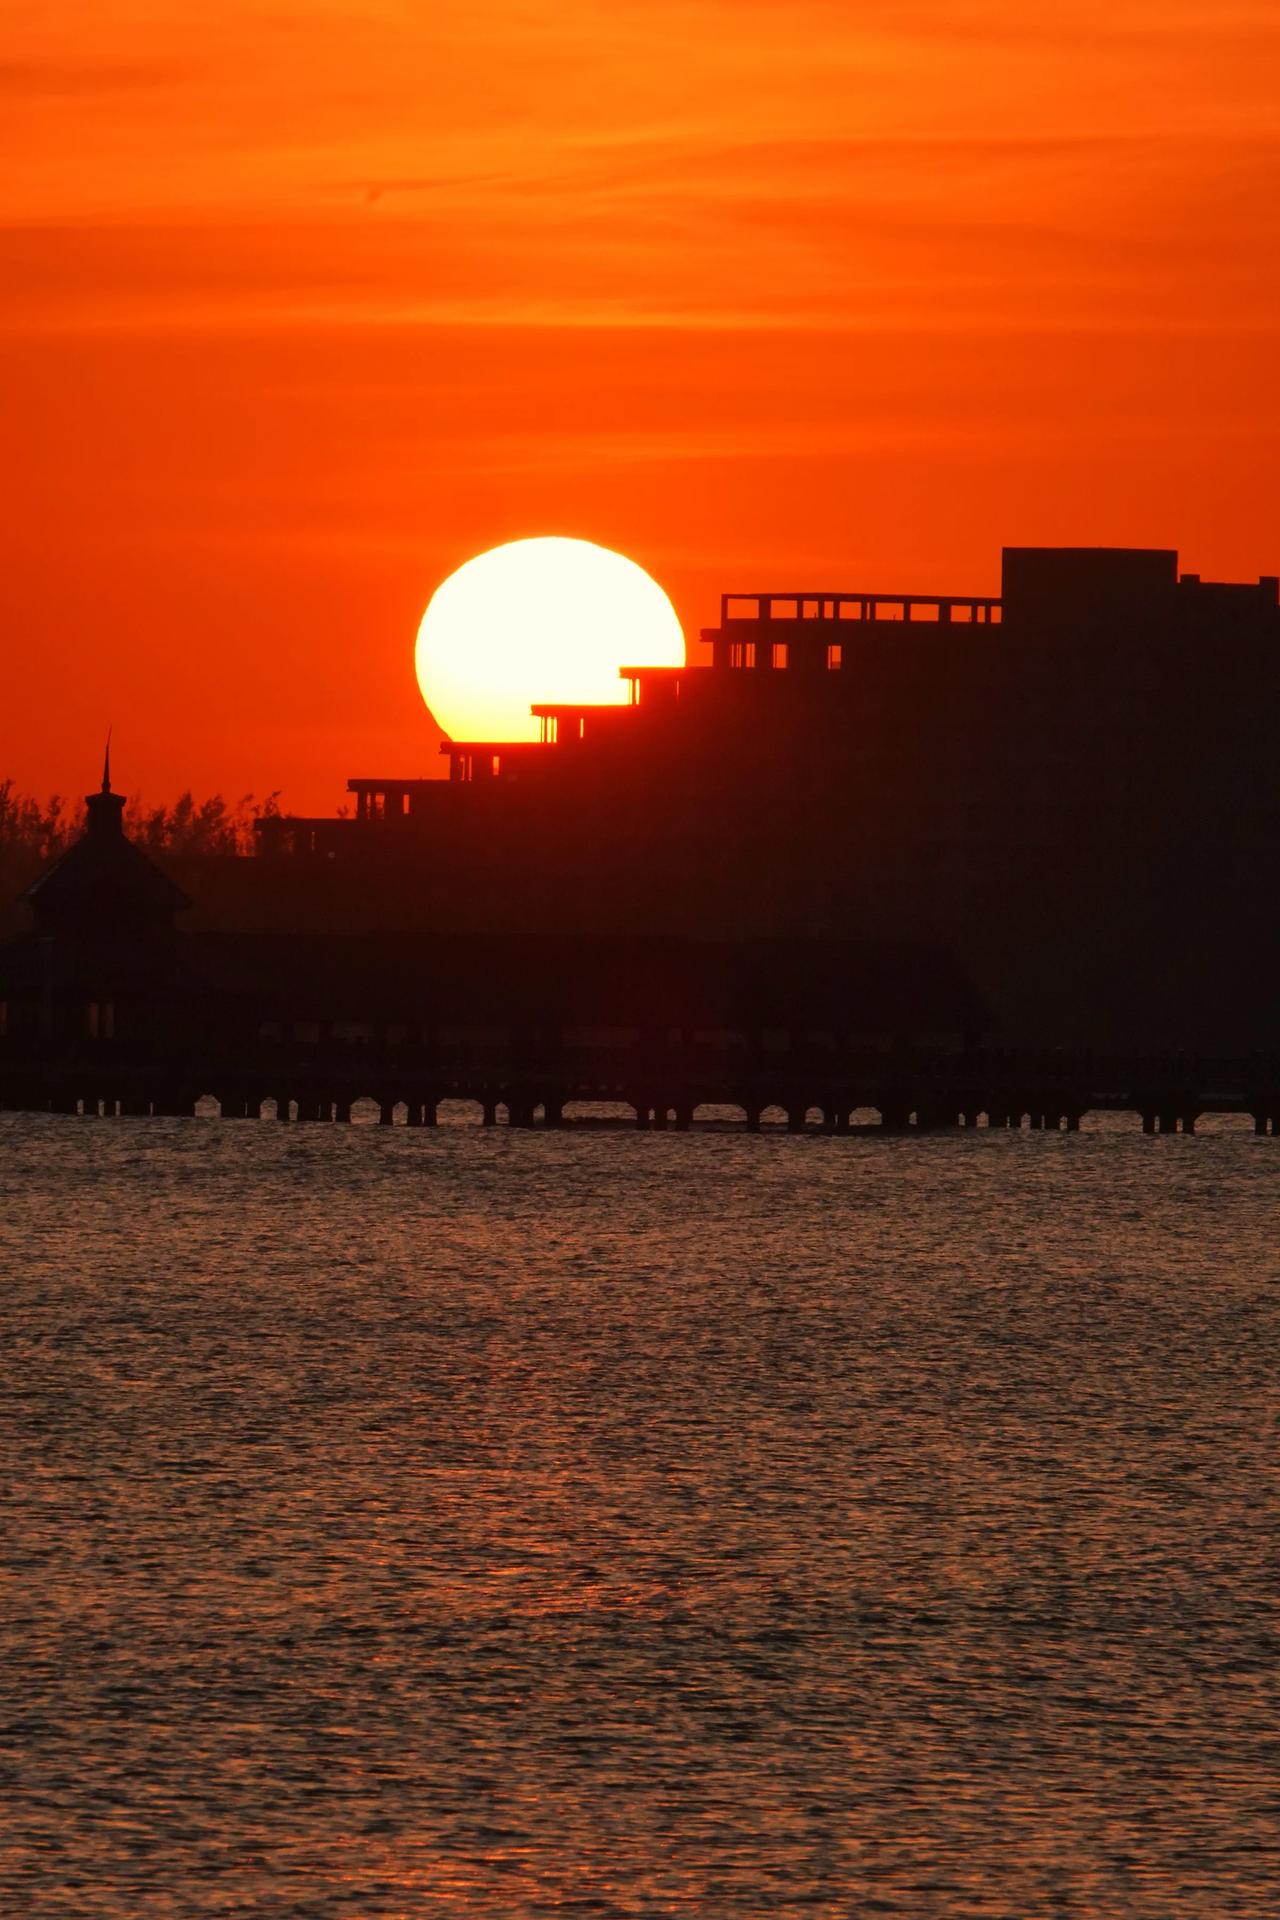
305 304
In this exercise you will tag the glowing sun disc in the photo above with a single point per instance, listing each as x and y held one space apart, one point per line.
544 621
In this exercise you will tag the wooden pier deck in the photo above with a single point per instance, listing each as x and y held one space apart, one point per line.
662 1088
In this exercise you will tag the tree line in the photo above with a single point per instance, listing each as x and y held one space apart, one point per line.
34 832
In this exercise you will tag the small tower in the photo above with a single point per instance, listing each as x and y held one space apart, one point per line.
104 808
103 957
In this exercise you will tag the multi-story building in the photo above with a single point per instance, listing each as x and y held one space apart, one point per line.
1073 785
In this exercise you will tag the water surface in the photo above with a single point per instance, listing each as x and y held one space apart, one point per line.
502 1524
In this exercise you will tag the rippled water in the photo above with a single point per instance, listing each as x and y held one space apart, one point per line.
506 1524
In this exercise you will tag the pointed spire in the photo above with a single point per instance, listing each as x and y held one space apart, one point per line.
104 808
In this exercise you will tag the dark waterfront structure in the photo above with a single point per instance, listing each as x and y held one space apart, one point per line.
941 857
106 1006
1072 787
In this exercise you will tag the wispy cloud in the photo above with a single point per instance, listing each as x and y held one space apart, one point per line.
79 80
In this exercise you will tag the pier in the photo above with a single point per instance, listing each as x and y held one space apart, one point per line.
657 1088
109 1009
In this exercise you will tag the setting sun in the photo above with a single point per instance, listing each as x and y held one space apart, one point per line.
538 620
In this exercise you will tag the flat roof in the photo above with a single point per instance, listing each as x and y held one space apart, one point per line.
359 780
489 746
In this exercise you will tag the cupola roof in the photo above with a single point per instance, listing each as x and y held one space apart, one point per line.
103 872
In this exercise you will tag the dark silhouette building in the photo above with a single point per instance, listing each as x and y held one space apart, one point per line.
935 855
1071 785
103 951
106 1003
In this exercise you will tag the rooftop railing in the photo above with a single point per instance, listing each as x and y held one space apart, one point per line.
942 609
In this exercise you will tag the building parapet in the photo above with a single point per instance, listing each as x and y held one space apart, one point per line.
943 609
